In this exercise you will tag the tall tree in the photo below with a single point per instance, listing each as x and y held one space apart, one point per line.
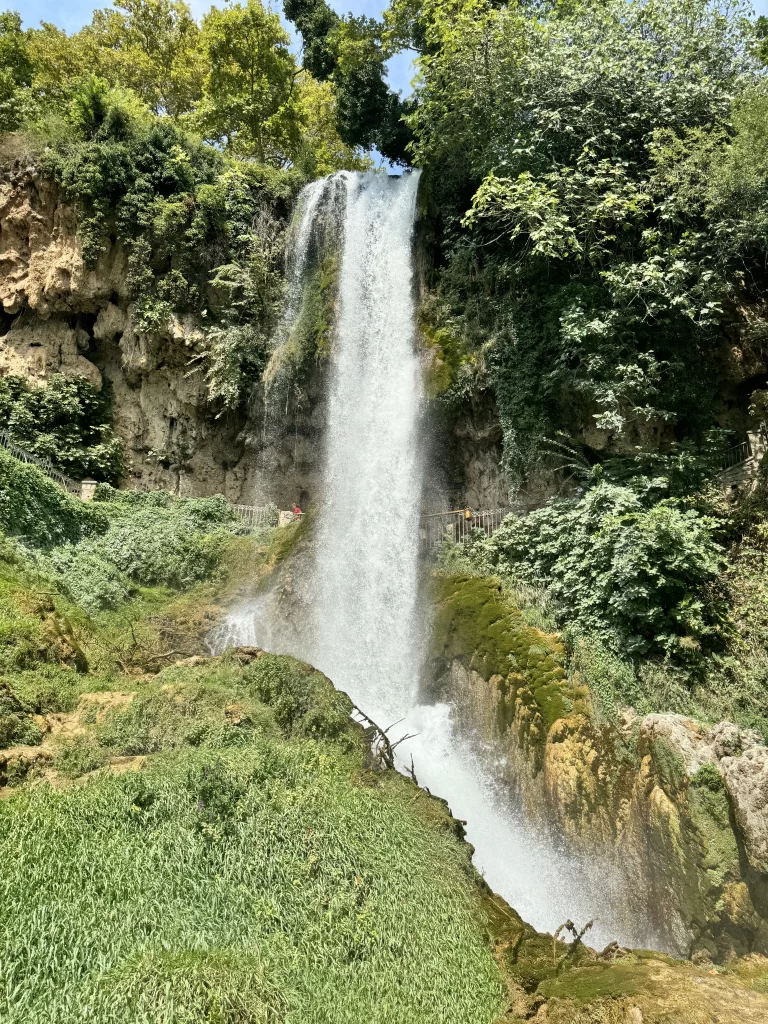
350 52
153 47
250 98
15 67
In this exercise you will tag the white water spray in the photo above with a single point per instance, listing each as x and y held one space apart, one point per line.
366 628
365 617
298 251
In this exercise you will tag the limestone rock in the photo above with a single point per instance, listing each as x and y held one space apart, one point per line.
41 262
43 347
110 323
689 739
746 780
729 739
697 744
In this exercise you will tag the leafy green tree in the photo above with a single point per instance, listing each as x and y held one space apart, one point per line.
318 23
580 264
250 101
15 61
15 68
352 54
322 150
152 47
60 62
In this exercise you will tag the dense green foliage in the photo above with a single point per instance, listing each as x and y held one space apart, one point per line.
204 238
595 193
98 555
643 578
38 511
152 539
597 186
65 420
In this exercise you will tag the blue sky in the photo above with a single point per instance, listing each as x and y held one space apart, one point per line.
73 14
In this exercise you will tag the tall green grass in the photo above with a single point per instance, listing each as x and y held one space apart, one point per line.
265 876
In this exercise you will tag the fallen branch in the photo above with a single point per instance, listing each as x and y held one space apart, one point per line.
384 752
568 926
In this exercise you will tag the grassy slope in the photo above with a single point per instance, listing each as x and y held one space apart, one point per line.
205 841
252 870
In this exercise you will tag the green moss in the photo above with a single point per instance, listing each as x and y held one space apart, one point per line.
323 293
710 813
310 339
282 543
597 981
476 622
669 767
449 351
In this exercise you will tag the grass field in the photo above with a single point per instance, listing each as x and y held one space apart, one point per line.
253 870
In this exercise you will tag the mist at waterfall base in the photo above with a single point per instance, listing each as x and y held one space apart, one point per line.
366 629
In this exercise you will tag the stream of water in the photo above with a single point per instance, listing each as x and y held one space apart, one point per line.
366 629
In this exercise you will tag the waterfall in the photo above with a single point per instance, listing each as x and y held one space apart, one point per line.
300 235
364 623
365 617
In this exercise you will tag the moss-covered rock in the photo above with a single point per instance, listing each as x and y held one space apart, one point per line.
622 795
475 622
561 983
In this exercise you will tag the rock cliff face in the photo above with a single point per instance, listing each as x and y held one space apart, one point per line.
678 808
61 316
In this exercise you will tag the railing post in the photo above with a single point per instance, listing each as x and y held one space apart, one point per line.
88 489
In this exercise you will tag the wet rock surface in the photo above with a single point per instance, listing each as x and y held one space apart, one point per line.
677 807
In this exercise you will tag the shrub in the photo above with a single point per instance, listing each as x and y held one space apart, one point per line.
78 755
16 724
90 578
66 420
302 700
708 777
38 511
643 578
152 539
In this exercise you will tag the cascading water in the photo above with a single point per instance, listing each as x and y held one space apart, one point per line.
365 616
365 622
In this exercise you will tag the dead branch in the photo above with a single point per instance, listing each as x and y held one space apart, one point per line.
385 752
568 926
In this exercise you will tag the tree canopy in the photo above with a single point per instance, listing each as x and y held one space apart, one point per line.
599 193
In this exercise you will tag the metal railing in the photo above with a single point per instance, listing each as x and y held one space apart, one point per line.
438 528
69 485
257 516
736 455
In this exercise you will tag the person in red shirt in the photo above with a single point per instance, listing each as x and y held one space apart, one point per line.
296 511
